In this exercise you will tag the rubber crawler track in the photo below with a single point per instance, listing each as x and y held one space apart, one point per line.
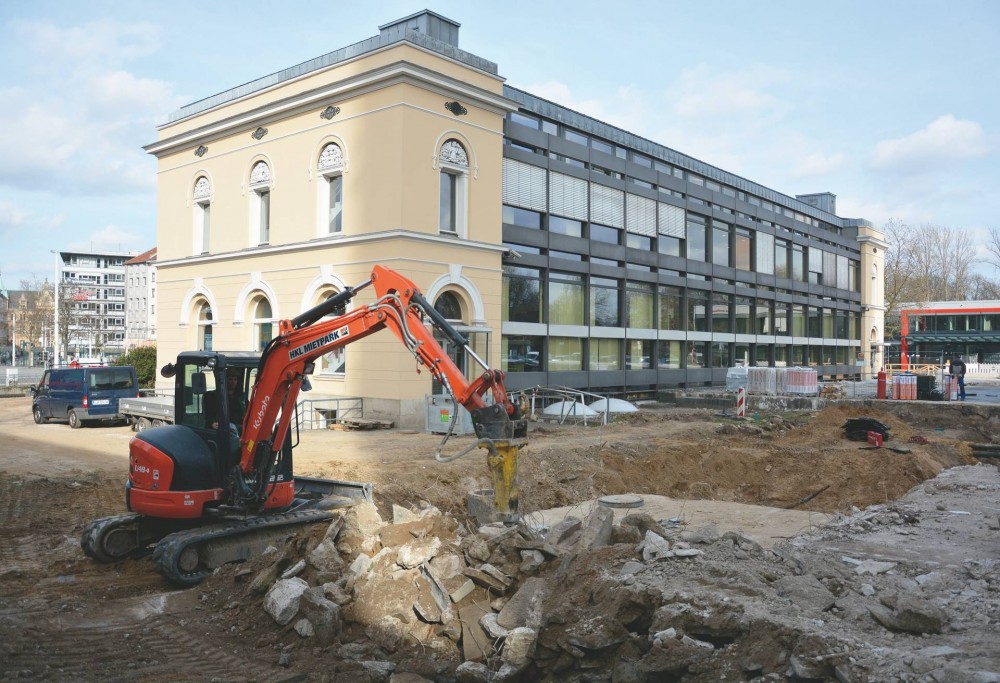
167 554
90 539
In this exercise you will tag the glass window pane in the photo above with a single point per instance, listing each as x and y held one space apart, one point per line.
447 204
765 253
565 354
336 203
604 309
720 244
697 310
695 239
697 355
521 353
524 218
605 354
565 226
639 299
604 233
567 297
522 295
671 309
668 354
638 354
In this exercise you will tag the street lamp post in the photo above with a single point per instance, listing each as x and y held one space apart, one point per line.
55 335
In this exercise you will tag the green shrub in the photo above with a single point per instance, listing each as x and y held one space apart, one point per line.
144 360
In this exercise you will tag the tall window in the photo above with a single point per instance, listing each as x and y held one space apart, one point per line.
639 298
671 308
450 308
260 204
334 362
697 310
330 169
522 295
695 237
453 192
205 327
202 215
262 324
741 254
604 308
720 243
567 300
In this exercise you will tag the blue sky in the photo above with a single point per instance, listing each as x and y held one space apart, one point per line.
891 105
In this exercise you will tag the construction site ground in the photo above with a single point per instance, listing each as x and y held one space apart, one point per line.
791 481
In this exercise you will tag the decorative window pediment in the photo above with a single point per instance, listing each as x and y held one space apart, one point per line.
202 188
260 175
453 153
331 159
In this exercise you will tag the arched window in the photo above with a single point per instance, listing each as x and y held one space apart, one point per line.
263 322
202 214
204 327
335 362
330 171
260 204
454 188
449 305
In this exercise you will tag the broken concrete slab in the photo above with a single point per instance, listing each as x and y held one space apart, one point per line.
486 580
805 591
518 610
476 644
563 530
596 531
493 629
326 558
531 560
472 672
655 547
322 614
282 601
417 552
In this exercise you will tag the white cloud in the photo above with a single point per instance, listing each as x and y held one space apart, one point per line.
107 42
818 164
946 139
82 120
700 92
110 237
624 108
12 218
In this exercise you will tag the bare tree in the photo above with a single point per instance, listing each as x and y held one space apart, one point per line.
927 263
993 246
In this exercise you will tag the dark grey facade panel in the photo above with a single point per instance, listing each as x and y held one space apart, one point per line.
590 125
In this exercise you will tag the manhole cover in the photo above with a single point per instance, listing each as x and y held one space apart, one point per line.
628 500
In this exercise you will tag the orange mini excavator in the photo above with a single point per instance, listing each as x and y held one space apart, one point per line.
205 491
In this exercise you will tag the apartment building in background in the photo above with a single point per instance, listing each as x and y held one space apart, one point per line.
92 289
140 300
569 251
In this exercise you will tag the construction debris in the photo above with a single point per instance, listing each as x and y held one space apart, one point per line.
426 596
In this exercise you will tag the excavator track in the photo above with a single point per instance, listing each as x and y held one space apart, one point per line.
112 538
186 557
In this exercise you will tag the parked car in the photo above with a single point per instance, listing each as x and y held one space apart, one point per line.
80 395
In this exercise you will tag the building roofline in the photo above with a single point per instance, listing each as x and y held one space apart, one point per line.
550 109
388 36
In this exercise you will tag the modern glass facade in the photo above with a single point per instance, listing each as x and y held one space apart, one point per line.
632 267
933 333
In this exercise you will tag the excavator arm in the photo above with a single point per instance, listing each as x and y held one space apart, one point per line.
399 306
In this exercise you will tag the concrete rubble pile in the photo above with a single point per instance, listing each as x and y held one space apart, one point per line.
589 599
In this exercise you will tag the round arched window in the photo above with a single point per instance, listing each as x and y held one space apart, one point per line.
449 306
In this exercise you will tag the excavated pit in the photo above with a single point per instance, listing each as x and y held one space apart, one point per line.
588 600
